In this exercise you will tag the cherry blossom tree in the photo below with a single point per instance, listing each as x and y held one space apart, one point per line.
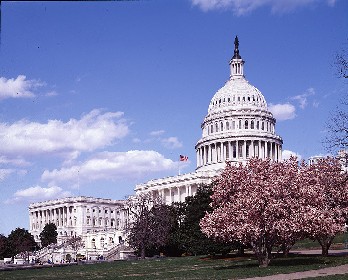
324 200
256 204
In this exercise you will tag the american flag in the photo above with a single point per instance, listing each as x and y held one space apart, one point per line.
183 158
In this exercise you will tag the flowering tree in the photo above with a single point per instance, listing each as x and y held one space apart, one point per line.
325 200
256 204
151 222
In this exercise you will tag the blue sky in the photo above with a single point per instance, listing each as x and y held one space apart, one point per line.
96 97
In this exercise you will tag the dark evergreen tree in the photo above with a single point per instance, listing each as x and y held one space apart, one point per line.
48 235
4 247
20 240
187 237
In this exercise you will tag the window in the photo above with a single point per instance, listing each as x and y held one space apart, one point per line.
222 126
211 129
227 125
240 124
263 126
233 125
257 125
246 124
252 125
216 127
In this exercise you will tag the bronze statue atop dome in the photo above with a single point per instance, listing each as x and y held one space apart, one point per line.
236 50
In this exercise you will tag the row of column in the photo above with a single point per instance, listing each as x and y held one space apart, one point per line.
175 194
60 216
237 150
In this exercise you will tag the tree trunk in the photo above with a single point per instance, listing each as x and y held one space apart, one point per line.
324 251
241 250
142 252
325 243
263 254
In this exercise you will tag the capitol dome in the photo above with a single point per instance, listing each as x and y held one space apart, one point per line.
237 93
238 125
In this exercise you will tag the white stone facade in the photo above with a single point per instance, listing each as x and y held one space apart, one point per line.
79 216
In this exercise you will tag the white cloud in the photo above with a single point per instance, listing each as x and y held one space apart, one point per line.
92 131
37 193
171 143
303 98
17 161
157 132
287 153
5 173
283 111
242 7
112 166
18 88
51 93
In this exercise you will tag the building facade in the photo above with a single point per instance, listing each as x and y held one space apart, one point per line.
80 216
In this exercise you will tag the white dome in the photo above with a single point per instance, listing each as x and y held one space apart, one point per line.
238 125
237 93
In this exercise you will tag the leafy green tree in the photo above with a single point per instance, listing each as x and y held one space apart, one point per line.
188 235
4 247
48 235
20 240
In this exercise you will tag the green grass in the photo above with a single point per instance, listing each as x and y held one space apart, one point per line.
338 243
179 268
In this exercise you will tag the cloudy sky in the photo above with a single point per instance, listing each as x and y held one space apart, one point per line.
96 97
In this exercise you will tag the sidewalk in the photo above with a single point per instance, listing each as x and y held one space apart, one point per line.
335 270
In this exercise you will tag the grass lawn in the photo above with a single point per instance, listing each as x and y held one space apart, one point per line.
338 243
232 267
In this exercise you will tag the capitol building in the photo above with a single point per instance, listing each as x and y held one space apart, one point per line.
237 127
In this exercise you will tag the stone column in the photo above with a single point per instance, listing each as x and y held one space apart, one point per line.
272 157
266 149
244 149
237 150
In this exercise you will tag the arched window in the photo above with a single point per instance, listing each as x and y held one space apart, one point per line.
102 241
246 125
222 126
227 125
257 125
240 124
211 129
93 243
252 125
263 126
216 128
233 125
